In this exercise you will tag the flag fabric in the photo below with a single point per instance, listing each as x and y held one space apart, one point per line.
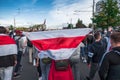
7 45
58 44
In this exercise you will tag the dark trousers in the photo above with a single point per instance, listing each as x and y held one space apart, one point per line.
18 65
93 70
39 69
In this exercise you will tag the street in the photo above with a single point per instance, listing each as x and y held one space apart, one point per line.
30 72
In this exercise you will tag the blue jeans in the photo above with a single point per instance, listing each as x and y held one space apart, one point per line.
45 70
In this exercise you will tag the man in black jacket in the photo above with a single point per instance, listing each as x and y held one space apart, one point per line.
95 53
110 64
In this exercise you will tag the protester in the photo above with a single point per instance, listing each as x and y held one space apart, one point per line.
110 64
75 62
96 51
90 39
110 29
25 43
87 42
8 51
59 46
20 46
36 62
30 50
38 68
45 63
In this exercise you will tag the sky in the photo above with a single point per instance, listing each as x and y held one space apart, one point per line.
57 13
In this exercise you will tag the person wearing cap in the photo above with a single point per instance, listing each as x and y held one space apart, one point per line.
20 46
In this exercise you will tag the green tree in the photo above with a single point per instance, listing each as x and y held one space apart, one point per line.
108 16
90 25
70 26
11 27
80 24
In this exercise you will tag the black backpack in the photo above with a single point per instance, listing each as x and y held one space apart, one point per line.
17 42
29 43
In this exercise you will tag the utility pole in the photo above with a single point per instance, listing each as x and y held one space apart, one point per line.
93 13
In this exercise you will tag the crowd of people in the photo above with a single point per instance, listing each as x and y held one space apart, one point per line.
100 51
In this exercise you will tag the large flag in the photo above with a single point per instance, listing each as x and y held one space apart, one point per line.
58 44
7 45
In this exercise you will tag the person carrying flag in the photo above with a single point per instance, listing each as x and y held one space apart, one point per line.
58 45
8 51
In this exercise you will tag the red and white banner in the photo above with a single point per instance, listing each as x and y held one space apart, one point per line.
7 45
58 44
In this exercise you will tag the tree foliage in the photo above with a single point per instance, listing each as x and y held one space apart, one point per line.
70 26
11 27
80 24
108 16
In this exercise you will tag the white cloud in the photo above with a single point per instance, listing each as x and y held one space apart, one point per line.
63 12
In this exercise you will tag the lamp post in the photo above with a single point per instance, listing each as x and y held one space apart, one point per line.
93 13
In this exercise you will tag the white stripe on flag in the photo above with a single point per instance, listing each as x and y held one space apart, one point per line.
57 54
8 49
58 33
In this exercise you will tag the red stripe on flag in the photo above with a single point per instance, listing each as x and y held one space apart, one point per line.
4 40
58 43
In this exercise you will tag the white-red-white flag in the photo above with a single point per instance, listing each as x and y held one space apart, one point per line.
7 45
58 44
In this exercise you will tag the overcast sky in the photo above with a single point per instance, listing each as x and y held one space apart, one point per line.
56 12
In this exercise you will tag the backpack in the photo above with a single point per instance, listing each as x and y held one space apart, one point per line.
17 42
29 43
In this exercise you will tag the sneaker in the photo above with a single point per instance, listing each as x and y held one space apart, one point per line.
16 76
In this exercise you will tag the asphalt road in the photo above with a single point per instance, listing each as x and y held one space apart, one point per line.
30 72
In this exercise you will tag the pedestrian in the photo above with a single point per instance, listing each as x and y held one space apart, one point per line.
25 43
110 64
110 30
95 53
75 62
45 63
30 50
8 51
20 46
36 62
